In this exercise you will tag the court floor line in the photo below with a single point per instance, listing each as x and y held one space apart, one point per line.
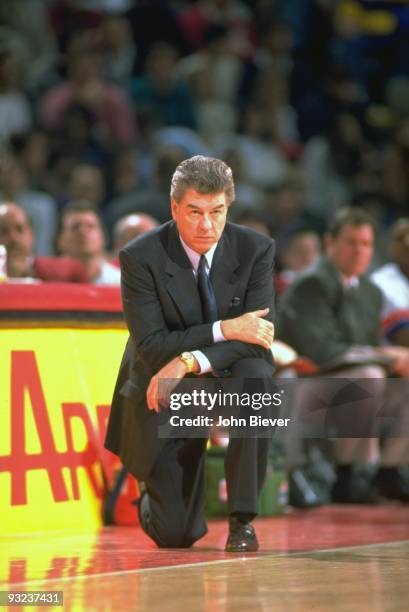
15 585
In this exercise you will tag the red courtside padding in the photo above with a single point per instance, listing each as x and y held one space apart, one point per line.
59 297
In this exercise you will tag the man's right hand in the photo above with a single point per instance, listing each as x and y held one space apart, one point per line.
251 328
400 356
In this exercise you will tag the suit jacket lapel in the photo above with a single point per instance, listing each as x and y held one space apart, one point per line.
182 284
223 275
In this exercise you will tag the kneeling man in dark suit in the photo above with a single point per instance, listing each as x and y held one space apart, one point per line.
198 299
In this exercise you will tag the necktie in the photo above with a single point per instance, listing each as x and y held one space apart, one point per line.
207 297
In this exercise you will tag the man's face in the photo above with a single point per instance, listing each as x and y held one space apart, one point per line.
351 250
86 183
200 219
81 235
400 249
303 250
132 226
15 231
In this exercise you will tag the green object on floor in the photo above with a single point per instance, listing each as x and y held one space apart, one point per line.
273 498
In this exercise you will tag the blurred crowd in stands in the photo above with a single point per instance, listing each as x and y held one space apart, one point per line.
306 100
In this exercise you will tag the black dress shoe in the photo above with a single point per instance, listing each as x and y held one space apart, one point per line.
354 490
390 484
242 537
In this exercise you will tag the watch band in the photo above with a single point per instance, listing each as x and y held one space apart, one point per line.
189 360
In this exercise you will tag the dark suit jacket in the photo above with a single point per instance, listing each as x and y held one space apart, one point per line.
321 320
163 313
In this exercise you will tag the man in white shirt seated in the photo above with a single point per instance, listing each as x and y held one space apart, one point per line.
393 280
81 237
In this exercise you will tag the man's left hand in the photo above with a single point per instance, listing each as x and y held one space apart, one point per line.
163 383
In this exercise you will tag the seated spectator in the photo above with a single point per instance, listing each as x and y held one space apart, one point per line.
33 151
331 313
334 163
264 164
130 227
395 167
81 237
247 194
301 250
224 67
124 174
39 206
272 95
25 29
78 138
251 216
17 235
86 87
393 280
216 116
86 182
15 112
153 200
190 141
273 53
380 208
285 206
67 18
152 21
162 90
196 18
118 49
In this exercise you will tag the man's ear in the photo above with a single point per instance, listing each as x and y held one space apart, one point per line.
174 207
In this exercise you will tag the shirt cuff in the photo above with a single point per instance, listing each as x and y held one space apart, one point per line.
202 360
217 332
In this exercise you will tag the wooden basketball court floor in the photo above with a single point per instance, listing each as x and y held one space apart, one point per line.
342 558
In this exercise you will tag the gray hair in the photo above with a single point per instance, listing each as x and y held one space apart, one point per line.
205 175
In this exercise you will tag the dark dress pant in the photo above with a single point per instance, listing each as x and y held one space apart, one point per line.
173 510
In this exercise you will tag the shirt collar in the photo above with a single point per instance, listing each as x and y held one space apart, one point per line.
194 257
348 282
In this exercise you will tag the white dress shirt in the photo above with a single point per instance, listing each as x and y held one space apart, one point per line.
194 258
349 282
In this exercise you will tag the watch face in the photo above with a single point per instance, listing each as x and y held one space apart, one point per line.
187 359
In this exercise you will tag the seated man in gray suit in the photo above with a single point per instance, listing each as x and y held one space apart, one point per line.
198 299
331 312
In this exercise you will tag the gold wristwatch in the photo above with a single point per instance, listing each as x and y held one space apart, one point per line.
189 361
